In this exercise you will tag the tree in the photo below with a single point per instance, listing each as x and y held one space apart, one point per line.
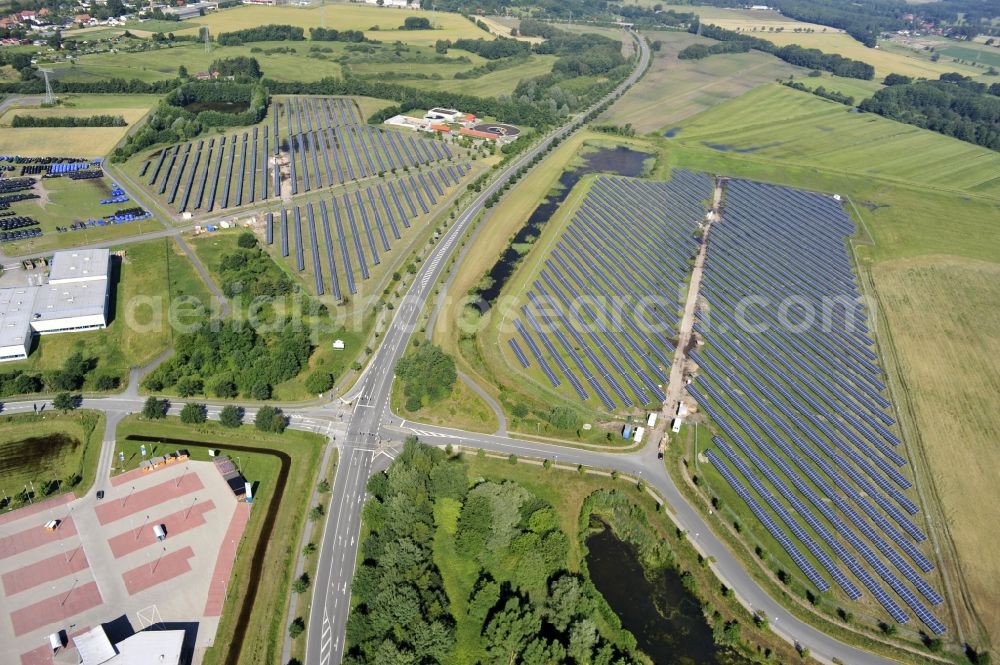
194 414
247 240
155 409
416 23
270 419
182 72
428 373
64 402
231 416
319 382
317 513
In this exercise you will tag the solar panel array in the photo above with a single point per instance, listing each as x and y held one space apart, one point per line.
789 374
327 143
348 234
599 318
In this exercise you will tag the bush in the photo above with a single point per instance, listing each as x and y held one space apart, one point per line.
231 416
247 240
319 382
317 513
296 627
301 585
194 414
106 382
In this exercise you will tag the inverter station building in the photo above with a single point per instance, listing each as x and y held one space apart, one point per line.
74 299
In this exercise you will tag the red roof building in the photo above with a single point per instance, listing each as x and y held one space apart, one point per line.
475 133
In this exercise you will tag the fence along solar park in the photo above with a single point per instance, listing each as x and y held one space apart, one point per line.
806 438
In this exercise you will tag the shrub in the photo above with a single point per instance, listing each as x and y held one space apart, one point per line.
194 414
155 409
319 382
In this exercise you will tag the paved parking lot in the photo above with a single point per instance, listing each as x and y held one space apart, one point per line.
104 561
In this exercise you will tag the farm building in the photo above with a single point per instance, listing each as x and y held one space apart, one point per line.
74 299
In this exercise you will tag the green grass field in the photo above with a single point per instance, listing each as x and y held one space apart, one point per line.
263 636
773 124
53 446
153 274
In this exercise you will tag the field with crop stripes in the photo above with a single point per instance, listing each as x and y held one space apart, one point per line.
779 125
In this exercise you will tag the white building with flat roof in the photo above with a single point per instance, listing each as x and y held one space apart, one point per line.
80 265
74 299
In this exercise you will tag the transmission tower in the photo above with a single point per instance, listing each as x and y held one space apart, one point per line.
208 43
50 97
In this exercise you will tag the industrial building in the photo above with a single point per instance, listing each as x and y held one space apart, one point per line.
75 298
148 646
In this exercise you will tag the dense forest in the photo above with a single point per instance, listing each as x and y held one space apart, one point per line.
505 553
794 54
954 105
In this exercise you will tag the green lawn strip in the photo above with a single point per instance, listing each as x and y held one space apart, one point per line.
264 634
31 455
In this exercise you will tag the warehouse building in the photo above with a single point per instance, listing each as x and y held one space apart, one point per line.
74 299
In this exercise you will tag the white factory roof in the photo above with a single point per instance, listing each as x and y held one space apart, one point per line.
62 301
15 314
79 264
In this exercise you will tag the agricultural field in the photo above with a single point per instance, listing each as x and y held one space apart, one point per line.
935 334
77 141
775 124
673 89
151 276
744 20
48 451
350 16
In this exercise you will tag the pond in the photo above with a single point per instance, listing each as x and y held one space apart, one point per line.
665 618
221 107
619 160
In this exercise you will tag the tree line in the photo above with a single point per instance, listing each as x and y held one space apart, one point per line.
820 91
262 33
68 121
954 105
333 35
794 54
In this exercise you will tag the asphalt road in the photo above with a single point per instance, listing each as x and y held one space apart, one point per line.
369 435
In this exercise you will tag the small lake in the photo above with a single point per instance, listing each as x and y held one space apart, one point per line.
221 107
665 618
619 161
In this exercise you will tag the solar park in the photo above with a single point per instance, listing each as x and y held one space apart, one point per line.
348 234
787 371
308 143
614 349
